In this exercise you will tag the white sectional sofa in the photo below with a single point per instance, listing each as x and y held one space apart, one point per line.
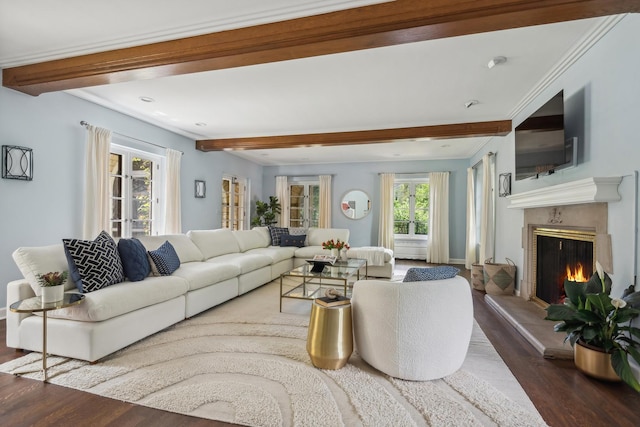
215 266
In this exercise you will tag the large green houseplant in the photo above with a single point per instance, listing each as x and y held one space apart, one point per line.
590 316
266 212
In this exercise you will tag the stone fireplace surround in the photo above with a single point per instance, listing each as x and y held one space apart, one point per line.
577 205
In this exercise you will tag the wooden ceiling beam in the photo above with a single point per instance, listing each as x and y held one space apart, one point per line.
460 130
385 24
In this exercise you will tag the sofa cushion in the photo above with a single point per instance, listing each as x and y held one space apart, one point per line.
315 236
201 274
213 243
185 248
276 253
250 239
289 240
416 274
276 232
135 261
247 262
123 298
93 264
264 232
165 259
33 261
307 252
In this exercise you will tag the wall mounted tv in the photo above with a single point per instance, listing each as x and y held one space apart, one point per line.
541 144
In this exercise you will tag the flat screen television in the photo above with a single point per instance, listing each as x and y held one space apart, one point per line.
541 144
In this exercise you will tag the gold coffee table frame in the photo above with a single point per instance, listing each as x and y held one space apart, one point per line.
338 275
35 305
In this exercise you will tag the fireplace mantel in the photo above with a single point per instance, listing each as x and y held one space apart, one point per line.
588 190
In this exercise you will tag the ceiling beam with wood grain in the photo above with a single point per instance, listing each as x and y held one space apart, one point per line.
384 24
449 131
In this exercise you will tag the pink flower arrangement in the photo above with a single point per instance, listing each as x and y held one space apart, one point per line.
334 244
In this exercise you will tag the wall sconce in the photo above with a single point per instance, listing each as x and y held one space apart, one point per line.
17 162
200 189
504 185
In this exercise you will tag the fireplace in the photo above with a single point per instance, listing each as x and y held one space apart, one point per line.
560 254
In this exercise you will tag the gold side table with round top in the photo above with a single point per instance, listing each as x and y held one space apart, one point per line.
330 337
35 305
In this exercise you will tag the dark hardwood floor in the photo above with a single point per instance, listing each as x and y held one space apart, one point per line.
563 396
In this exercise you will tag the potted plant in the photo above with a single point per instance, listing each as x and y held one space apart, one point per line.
266 212
598 327
52 285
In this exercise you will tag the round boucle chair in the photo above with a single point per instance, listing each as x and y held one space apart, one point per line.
416 330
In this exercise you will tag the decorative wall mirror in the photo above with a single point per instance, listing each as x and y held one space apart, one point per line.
355 204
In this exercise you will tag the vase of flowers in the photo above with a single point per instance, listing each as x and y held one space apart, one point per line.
51 285
599 327
335 246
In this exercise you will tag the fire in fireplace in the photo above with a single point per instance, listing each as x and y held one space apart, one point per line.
560 255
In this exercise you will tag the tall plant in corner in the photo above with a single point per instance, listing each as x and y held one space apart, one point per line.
266 212
589 316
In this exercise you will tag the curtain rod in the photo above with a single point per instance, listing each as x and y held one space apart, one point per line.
490 153
85 124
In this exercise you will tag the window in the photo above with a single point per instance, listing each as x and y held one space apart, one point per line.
411 208
304 204
134 185
234 192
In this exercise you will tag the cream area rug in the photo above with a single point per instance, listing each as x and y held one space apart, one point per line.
245 362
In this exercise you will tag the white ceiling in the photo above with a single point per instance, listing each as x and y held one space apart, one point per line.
415 84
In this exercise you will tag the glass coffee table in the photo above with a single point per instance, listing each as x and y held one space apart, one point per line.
303 283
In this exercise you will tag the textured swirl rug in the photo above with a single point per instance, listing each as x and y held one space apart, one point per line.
244 362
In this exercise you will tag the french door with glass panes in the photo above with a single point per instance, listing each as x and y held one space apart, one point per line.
411 208
234 190
304 204
134 178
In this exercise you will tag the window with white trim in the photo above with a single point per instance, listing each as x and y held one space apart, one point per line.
304 204
234 202
135 182
411 208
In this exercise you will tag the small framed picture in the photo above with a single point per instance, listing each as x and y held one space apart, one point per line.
201 189
17 162
504 185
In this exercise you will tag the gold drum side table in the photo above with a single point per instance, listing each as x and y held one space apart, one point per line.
330 339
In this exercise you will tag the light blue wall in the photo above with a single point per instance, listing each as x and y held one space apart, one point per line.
49 208
364 176
601 92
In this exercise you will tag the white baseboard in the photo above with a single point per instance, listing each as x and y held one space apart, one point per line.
3 313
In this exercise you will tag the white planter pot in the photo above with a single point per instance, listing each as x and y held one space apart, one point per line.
52 293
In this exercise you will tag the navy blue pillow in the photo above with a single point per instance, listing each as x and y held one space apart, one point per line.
134 259
289 240
165 258
416 274
276 233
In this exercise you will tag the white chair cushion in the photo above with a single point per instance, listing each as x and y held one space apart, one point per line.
213 243
36 260
122 298
316 236
250 239
202 274
185 248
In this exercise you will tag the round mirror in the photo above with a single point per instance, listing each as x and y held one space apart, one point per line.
355 204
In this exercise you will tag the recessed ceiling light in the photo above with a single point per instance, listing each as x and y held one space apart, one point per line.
201 124
146 99
497 61
470 103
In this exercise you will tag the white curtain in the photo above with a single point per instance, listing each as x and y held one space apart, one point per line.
282 193
438 243
96 215
385 226
173 210
487 216
471 254
325 202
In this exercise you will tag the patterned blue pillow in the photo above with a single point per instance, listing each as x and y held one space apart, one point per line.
289 240
134 259
430 273
276 232
93 264
165 258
